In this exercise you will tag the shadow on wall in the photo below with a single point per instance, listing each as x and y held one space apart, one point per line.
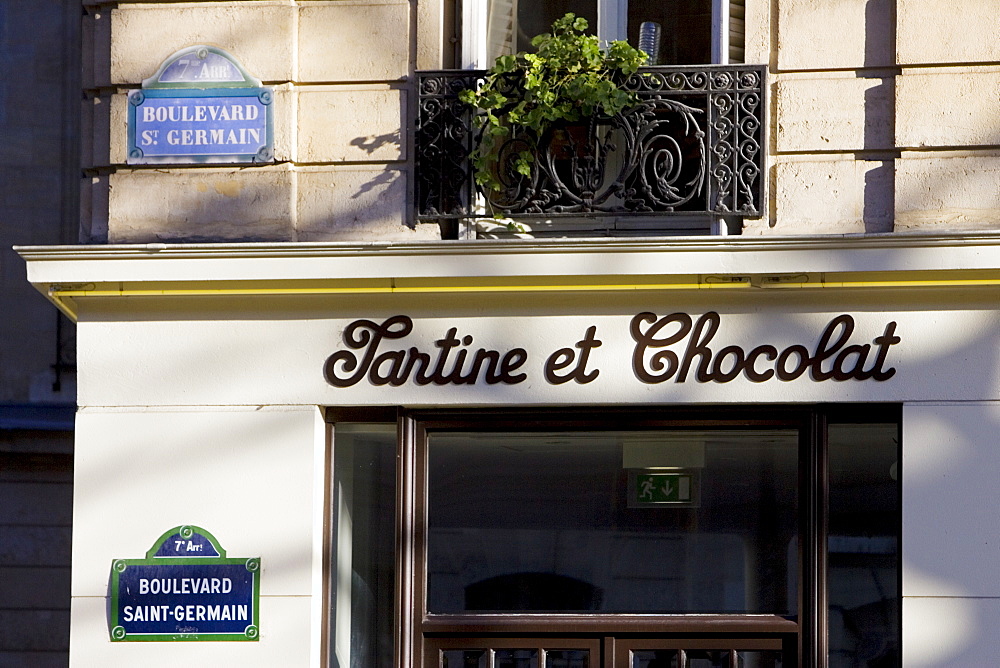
925 161
878 205
372 143
920 192
380 182
950 523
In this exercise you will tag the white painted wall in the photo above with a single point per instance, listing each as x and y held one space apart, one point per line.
951 534
179 359
253 477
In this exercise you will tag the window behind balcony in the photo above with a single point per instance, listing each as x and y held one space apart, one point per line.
693 32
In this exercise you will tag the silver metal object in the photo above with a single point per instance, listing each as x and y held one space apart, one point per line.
649 41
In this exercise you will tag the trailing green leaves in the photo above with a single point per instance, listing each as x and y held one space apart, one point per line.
569 78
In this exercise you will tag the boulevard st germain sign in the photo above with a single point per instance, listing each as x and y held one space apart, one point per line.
675 347
185 589
200 107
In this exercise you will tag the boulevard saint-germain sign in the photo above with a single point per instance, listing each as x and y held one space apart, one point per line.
185 589
677 347
201 106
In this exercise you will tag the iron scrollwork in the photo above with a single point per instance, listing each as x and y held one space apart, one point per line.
692 145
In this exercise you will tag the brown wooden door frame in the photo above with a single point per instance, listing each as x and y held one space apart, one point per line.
414 623
426 625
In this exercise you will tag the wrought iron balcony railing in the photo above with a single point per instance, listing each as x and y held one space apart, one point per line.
692 145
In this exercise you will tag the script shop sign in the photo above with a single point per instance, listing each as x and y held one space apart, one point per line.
676 347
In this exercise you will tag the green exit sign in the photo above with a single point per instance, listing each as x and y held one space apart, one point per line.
678 488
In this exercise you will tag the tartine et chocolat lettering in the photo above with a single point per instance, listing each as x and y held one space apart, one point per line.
722 366
395 367
672 347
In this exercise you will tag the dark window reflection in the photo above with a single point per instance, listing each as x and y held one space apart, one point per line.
567 658
685 29
725 659
706 658
464 658
863 546
363 499
548 522
516 658
655 658
535 18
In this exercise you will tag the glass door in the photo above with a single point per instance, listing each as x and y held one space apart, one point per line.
686 538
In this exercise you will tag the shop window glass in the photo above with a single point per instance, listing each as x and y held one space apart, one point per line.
363 511
567 658
863 547
515 658
613 522
463 658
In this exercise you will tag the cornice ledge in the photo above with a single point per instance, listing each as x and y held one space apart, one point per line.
706 244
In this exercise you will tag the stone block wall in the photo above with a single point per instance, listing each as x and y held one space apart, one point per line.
948 125
884 115
881 117
341 72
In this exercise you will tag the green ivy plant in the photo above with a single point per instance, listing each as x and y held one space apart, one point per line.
569 78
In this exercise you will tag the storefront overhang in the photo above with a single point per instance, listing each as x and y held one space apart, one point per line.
533 323
70 275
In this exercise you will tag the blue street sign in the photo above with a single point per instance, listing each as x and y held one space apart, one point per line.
185 589
200 107
213 125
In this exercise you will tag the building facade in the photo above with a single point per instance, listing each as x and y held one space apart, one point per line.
39 186
749 425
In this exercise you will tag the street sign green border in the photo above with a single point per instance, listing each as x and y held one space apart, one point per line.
118 566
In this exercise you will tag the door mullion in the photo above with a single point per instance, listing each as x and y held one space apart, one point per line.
408 638
813 527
